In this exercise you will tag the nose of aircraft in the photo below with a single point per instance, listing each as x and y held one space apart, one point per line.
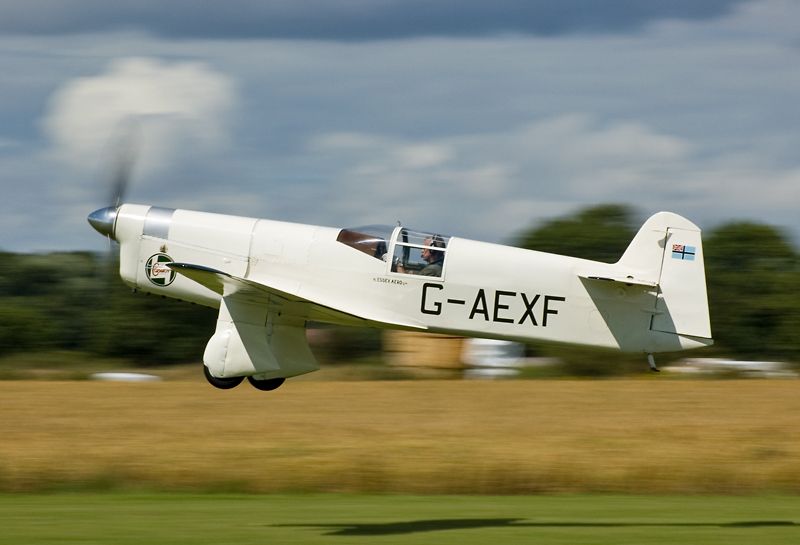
103 220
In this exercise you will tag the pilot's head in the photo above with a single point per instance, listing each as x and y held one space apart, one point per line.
430 253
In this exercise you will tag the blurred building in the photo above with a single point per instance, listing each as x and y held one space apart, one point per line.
431 354
423 353
720 366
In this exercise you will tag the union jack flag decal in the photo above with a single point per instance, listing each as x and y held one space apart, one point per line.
685 253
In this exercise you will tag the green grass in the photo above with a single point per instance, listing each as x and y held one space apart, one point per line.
136 518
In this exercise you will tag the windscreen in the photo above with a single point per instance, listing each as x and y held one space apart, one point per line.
421 253
369 239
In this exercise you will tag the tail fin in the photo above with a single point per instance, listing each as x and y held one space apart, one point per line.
668 251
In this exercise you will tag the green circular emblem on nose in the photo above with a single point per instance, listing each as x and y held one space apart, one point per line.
157 271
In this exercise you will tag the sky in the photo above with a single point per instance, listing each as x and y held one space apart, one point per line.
468 118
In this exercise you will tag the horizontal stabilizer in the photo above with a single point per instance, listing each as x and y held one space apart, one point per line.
627 280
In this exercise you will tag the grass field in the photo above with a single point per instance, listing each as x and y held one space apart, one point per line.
175 519
407 437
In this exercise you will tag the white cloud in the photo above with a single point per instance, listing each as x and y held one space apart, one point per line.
489 185
749 20
171 106
503 176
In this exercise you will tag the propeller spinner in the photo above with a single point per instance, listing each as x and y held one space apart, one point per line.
102 220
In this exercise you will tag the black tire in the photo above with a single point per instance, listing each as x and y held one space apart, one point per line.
266 385
222 383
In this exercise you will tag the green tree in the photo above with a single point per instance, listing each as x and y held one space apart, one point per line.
24 326
753 278
76 301
600 233
30 286
148 329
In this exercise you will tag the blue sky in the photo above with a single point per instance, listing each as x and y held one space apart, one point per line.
470 118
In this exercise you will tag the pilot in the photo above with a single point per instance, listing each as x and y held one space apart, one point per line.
433 257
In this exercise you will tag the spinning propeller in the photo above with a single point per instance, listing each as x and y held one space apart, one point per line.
103 219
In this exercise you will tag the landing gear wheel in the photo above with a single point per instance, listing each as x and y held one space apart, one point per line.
266 385
222 383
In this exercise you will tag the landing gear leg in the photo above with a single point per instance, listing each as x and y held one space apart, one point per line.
651 361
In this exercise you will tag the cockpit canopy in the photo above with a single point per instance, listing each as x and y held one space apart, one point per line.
370 239
412 252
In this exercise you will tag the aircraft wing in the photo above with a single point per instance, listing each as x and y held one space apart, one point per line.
321 308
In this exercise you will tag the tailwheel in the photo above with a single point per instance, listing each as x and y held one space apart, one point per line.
266 385
222 383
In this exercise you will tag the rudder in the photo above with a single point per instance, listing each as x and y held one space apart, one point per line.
668 251
682 304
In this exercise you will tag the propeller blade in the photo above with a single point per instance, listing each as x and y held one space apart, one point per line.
124 161
124 150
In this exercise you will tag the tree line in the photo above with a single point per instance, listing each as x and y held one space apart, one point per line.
75 301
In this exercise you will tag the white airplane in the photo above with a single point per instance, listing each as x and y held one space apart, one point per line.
269 278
